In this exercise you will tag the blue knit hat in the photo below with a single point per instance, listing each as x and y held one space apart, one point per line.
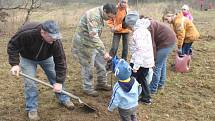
122 70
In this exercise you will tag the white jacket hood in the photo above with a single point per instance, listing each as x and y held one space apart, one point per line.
142 23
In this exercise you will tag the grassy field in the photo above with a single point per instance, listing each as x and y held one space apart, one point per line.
186 97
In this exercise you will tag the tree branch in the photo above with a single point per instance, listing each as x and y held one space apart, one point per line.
34 5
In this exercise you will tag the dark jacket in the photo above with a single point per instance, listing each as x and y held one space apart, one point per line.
162 35
29 43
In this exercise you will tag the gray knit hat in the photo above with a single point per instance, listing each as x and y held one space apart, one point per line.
123 1
52 28
131 18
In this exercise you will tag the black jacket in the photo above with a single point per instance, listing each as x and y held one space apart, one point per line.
29 43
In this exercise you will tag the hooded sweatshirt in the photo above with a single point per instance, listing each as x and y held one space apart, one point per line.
141 45
122 99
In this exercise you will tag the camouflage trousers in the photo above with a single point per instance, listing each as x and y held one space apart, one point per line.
88 62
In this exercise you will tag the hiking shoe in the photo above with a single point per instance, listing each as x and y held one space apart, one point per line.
146 101
69 105
33 116
160 87
153 93
92 93
105 87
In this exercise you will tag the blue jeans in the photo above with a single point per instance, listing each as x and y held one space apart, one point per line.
187 48
159 75
115 44
29 67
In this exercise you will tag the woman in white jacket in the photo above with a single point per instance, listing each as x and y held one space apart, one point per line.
142 56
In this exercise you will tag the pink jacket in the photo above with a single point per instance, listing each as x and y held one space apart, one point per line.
188 15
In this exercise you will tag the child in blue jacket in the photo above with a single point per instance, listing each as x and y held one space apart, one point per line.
125 92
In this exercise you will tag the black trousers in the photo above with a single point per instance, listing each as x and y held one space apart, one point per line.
140 76
115 44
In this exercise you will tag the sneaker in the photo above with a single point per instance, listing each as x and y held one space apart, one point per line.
69 105
160 87
153 93
33 116
146 102
92 93
105 87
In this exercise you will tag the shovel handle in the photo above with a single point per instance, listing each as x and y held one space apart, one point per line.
49 85
37 80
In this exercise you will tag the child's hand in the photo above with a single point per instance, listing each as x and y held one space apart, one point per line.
134 70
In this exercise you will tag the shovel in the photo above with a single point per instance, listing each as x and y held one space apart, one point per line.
85 106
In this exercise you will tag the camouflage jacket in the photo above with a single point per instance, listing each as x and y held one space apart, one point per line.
89 31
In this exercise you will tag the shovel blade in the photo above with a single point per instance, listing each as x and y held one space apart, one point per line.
87 108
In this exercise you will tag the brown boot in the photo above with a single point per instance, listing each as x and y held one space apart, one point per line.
33 116
105 87
92 93
69 105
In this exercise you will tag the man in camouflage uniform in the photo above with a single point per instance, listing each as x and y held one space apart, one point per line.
89 48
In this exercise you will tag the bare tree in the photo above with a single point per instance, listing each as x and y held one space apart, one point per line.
3 16
28 5
33 4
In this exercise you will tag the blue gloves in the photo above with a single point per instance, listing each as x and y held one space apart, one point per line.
111 64
115 60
